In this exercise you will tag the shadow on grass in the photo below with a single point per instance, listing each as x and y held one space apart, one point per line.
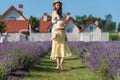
68 59
80 67
18 75
49 66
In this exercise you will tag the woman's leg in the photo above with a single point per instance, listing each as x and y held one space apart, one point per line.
58 63
61 63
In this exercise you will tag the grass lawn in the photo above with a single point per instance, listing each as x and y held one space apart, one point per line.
73 70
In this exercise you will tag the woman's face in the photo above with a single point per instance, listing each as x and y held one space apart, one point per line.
57 6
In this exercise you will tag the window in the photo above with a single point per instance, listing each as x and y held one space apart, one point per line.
91 28
12 18
37 29
69 30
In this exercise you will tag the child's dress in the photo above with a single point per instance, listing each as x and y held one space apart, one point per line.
60 47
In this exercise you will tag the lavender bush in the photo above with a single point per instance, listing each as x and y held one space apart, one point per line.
103 58
20 55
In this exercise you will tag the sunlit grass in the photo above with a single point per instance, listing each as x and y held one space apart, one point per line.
73 70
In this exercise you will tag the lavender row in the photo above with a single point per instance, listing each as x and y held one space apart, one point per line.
20 55
103 58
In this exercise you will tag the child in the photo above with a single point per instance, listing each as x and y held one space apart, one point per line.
60 25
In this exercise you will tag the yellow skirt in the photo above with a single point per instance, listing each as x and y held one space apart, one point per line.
60 47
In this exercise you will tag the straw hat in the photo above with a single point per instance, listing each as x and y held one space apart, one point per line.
57 1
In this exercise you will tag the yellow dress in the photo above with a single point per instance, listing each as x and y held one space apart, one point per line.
60 47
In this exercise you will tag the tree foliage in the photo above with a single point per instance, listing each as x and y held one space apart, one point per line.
110 26
2 26
35 22
105 24
119 27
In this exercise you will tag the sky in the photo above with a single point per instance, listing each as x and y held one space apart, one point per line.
98 8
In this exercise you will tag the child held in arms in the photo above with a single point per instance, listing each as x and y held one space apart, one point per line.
59 26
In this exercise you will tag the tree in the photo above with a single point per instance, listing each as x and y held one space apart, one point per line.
118 27
2 26
108 18
105 24
35 22
83 20
110 26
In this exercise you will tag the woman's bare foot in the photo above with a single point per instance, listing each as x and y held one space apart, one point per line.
58 67
61 67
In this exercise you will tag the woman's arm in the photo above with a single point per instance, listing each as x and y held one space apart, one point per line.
55 17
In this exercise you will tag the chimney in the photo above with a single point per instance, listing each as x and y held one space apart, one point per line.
20 9
96 22
68 15
45 16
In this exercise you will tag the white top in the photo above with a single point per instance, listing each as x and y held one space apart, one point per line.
55 18
56 23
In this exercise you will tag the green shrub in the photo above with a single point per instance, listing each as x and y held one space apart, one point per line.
114 37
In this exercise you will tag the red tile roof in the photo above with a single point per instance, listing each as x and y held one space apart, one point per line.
87 25
14 26
44 25
12 8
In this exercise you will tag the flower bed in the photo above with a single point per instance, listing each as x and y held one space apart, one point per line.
103 58
20 55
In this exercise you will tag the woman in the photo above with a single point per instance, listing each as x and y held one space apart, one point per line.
60 48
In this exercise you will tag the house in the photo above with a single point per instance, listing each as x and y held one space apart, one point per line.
91 26
17 25
90 32
15 20
71 26
72 29
18 28
46 24
13 14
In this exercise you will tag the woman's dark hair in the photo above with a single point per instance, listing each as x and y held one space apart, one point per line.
59 12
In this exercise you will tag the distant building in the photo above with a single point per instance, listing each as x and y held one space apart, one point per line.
91 26
16 23
90 32
19 28
13 14
71 26
46 25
